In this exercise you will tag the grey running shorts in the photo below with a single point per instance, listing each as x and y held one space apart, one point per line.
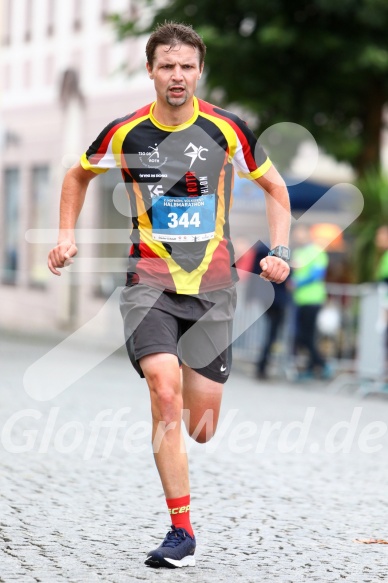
196 328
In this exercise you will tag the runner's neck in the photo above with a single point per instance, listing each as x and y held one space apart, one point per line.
168 115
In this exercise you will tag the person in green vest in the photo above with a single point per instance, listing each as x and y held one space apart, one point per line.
381 241
309 294
381 273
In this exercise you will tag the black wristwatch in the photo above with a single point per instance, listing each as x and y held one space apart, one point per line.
282 252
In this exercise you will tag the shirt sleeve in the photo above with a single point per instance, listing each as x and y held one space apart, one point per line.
100 157
250 159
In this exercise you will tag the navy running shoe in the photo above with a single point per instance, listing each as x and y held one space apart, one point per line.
177 550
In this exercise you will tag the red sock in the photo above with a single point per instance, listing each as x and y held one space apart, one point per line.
179 509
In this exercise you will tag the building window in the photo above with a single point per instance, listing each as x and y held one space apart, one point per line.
50 17
77 14
7 22
38 220
133 10
111 186
104 9
11 225
28 21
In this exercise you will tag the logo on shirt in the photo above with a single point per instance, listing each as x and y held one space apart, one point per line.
195 152
152 158
155 190
196 185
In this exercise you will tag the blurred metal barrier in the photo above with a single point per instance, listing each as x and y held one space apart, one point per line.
352 333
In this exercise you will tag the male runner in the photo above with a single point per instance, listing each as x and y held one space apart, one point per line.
177 157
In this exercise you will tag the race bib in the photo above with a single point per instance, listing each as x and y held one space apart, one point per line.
183 218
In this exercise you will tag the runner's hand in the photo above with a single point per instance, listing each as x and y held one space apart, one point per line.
60 256
274 269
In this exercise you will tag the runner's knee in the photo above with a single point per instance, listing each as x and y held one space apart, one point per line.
166 401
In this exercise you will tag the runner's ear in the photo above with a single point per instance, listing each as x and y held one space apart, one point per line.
149 71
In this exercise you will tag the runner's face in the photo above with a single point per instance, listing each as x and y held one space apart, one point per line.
175 73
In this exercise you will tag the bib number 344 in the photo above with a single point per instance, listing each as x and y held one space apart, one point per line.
184 220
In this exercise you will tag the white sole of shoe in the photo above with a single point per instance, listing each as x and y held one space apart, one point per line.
188 561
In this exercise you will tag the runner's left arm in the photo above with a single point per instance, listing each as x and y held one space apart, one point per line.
279 220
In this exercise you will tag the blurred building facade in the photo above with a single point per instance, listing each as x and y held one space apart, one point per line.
64 77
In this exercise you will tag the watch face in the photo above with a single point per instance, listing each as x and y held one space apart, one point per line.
285 254
282 252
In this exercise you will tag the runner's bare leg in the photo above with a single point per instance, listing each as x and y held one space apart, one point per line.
163 376
201 403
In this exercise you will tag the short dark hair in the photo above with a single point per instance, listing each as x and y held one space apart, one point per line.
173 34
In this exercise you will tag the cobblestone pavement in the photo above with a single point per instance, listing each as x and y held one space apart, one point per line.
82 504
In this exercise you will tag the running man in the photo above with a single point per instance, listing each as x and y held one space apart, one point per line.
177 157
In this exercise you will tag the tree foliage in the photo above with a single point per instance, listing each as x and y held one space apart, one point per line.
320 63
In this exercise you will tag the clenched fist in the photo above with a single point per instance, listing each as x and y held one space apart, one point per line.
61 255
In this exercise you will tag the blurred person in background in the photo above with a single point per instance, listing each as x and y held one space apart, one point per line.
309 295
275 315
381 274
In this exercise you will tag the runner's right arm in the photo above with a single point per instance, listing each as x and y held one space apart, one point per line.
74 189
